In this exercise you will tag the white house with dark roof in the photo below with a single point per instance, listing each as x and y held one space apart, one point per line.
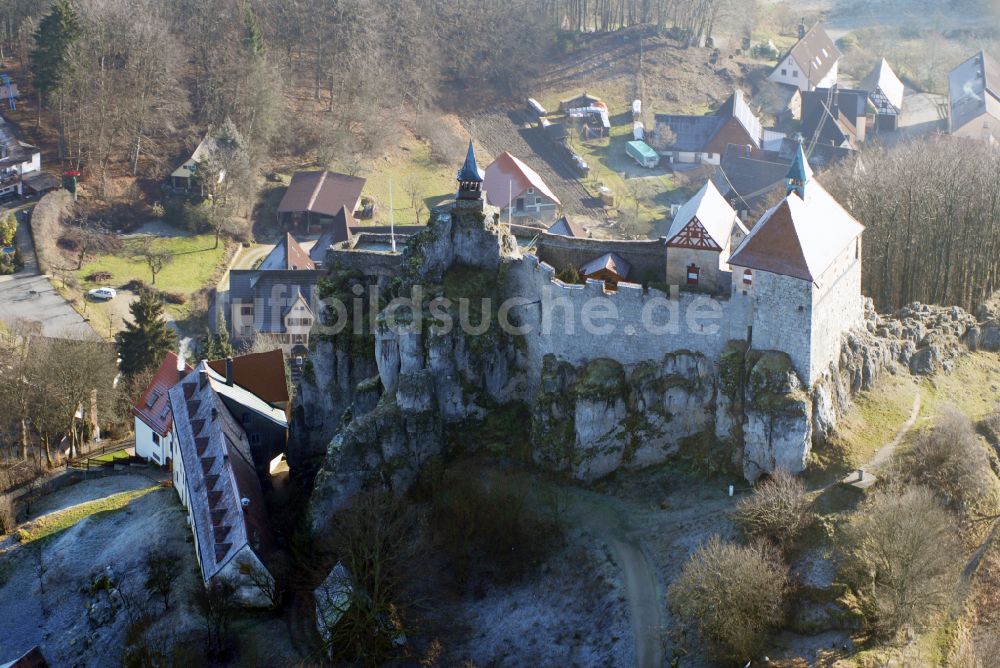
885 93
154 435
217 479
701 236
813 62
800 270
974 99
517 189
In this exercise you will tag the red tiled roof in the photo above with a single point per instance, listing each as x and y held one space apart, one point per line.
510 177
261 373
152 407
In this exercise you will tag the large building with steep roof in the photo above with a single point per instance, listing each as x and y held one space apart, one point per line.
974 99
518 190
813 62
701 236
222 432
693 139
154 435
800 268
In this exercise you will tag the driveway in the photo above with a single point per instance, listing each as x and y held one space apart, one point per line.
28 295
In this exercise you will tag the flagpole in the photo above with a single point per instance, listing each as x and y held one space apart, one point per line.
392 219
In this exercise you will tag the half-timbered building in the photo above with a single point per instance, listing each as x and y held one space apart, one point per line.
885 92
701 237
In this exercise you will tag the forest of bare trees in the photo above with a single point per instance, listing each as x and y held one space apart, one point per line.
118 79
932 212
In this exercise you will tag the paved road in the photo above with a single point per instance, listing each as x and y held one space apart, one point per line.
28 295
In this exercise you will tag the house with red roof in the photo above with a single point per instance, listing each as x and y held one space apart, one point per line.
153 420
519 192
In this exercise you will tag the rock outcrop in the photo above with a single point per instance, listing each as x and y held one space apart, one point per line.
594 420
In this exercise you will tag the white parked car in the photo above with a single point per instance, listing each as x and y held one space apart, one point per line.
103 294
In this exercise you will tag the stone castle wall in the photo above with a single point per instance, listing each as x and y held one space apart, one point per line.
838 306
648 258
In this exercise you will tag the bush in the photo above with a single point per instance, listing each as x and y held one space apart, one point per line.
730 598
778 510
570 275
377 542
950 459
173 297
185 215
99 277
900 552
486 526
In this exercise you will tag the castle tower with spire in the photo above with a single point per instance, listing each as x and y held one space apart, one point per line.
799 174
470 178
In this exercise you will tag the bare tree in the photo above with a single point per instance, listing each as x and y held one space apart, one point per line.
216 602
163 566
730 597
155 258
899 559
778 510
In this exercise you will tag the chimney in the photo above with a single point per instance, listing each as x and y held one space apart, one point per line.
180 367
229 371
802 28
202 378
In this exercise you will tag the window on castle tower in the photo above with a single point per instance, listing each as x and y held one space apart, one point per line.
747 277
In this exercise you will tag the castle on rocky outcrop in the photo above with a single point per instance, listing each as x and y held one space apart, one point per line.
716 334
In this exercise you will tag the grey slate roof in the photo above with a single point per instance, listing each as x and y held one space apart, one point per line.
746 181
218 470
974 90
692 133
271 293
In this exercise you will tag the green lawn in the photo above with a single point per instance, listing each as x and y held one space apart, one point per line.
413 172
108 457
63 519
193 262
652 189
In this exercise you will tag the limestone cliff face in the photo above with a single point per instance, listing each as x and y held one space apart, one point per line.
430 377
599 418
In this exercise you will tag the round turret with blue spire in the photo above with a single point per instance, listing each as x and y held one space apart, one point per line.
799 174
470 177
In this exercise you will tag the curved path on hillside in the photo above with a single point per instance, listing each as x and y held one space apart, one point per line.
884 454
601 515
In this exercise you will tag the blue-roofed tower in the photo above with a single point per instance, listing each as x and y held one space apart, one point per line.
470 177
799 174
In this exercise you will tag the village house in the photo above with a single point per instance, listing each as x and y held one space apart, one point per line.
813 62
702 235
974 99
694 139
314 198
746 182
834 116
518 191
885 93
261 373
186 177
222 431
566 226
154 435
21 167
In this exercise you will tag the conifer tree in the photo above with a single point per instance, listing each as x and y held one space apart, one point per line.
53 39
147 338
